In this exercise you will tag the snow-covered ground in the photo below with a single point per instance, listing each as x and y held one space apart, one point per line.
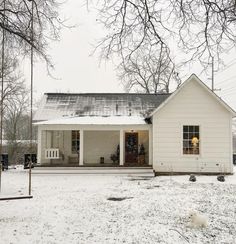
74 209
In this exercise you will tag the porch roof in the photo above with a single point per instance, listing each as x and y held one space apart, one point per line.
95 120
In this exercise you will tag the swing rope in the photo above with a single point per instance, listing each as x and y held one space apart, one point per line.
31 102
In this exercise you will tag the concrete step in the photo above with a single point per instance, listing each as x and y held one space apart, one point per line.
91 168
130 171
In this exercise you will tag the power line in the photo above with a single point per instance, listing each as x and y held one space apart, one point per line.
227 66
31 90
228 79
229 88
233 92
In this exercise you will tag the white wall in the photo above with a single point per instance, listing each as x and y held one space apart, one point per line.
193 105
100 144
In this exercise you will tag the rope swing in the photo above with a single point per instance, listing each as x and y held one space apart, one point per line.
31 101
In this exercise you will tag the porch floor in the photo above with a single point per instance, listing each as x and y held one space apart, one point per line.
127 171
105 165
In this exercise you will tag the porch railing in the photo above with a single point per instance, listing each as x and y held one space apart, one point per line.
52 153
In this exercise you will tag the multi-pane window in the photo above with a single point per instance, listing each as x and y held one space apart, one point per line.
75 141
191 137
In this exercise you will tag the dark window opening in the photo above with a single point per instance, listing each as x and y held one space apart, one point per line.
75 141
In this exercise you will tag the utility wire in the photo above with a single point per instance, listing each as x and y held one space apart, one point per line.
31 90
232 88
229 79
227 66
229 87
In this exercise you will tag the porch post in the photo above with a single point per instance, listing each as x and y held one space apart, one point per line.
121 147
81 151
150 157
39 147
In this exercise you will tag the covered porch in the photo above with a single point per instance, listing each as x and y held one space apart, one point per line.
94 144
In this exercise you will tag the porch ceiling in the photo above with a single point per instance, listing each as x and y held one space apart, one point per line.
95 120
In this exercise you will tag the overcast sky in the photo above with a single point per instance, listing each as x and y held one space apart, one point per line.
77 71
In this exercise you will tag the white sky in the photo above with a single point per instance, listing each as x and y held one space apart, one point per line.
77 71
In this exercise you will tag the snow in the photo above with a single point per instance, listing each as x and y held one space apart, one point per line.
57 105
75 209
5 142
96 120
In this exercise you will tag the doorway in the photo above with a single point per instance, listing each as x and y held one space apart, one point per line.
131 147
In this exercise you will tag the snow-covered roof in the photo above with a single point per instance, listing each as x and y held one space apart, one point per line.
95 120
58 105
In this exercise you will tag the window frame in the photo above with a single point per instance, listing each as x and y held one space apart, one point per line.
182 140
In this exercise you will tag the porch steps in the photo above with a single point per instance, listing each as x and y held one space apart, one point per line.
126 171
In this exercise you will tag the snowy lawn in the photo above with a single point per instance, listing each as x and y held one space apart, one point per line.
74 209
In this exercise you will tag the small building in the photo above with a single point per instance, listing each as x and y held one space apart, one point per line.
189 130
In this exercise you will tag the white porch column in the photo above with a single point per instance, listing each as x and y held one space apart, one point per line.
121 147
150 151
81 151
39 147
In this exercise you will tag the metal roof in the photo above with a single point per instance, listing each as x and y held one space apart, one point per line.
58 105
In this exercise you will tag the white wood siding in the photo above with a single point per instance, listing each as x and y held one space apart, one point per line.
193 105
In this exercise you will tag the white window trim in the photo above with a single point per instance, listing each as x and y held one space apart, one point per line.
200 141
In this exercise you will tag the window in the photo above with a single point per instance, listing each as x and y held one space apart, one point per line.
191 139
75 141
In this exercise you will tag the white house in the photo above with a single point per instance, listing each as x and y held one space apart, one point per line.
189 130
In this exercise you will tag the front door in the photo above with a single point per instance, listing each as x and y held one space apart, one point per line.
131 148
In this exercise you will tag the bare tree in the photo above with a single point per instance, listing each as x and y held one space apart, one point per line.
16 18
17 124
13 80
15 94
15 110
200 28
150 71
24 24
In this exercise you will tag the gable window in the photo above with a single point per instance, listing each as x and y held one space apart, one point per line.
191 137
75 141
